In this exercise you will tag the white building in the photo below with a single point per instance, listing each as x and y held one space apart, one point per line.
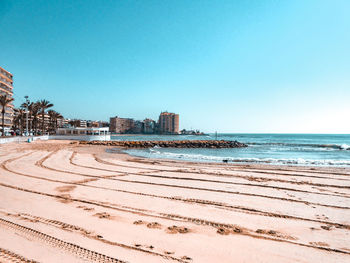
83 134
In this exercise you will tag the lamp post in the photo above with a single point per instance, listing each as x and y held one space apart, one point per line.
27 104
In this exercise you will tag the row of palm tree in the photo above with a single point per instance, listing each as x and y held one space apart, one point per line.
36 115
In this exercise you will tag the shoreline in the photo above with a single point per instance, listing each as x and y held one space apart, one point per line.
121 152
245 164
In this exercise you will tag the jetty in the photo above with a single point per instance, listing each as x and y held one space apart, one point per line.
169 144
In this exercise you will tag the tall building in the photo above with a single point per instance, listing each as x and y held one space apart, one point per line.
6 88
121 125
168 123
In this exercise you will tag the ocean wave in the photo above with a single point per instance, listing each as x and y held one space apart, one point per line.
156 147
345 146
329 146
285 161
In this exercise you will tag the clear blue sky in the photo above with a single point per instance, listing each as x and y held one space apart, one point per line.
230 66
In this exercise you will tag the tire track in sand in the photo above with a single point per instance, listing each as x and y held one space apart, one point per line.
74 249
9 256
204 180
86 233
40 163
186 200
233 228
249 178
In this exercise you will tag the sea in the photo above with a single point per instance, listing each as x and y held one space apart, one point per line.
281 149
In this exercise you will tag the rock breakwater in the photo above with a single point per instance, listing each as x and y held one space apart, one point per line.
169 144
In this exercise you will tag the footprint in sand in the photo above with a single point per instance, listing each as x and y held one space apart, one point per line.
65 188
275 233
223 231
85 208
65 198
103 215
138 222
266 232
177 229
154 225
328 228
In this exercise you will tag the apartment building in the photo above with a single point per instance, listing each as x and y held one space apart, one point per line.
6 88
121 125
168 123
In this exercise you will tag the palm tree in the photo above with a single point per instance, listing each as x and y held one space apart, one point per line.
44 105
54 116
58 116
4 101
35 109
17 120
51 114
74 123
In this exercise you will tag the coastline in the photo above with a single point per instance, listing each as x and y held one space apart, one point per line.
325 168
160 210
287 149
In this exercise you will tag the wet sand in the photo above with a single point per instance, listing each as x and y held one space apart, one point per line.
62 202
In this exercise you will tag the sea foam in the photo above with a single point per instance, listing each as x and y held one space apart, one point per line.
200 157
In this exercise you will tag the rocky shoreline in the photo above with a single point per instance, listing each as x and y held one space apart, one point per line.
169 144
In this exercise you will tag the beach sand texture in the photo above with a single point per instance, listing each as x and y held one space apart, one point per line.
62 202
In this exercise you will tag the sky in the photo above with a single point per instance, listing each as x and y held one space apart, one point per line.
227 66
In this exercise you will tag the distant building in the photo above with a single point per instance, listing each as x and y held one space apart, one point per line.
78 123
121 125
46 121
149 126
82 131
82 123
94 124
87 134
103 124
62 123
6 88
168 123
138 127
97 124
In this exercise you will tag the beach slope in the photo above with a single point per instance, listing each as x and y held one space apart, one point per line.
63 202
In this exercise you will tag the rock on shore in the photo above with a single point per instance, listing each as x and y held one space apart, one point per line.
169 144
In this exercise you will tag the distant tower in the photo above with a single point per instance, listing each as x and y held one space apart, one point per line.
168 123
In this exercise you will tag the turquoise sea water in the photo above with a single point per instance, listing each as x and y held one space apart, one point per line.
296 149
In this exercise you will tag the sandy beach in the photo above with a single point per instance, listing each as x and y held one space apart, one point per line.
63 202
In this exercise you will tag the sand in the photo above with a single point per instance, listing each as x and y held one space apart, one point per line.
61 202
